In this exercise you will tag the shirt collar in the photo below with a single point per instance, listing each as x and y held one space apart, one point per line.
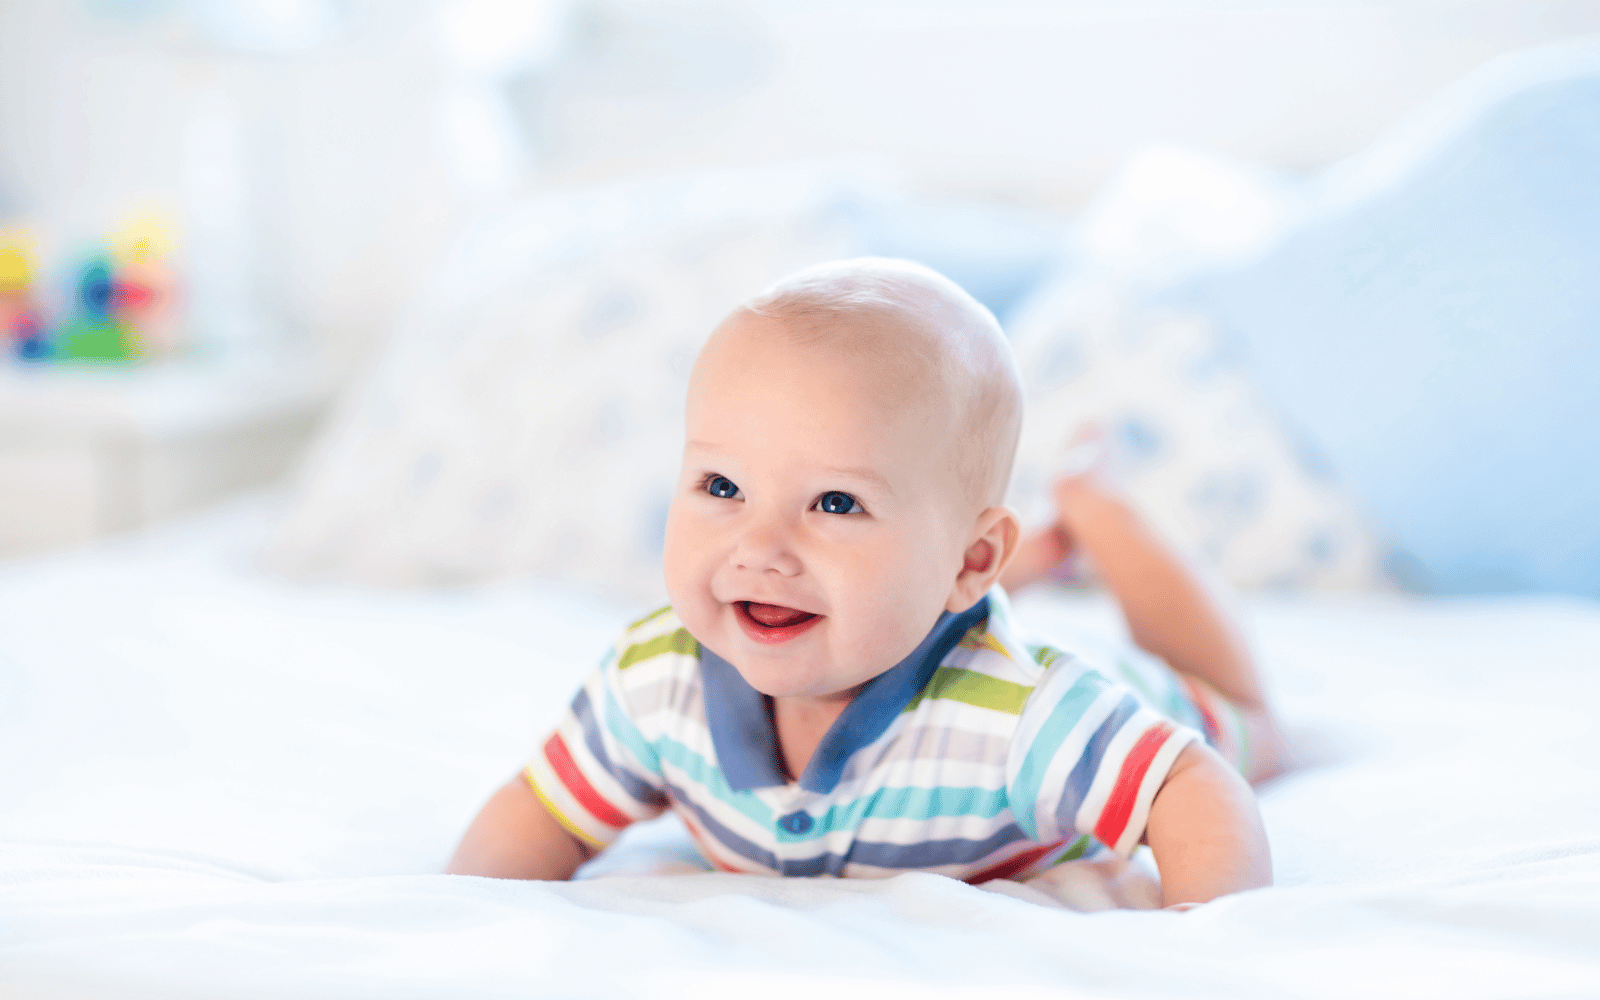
741 727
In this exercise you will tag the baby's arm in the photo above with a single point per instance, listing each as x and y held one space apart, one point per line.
1205 831
515 836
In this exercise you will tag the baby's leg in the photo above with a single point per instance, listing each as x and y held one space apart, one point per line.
1171 612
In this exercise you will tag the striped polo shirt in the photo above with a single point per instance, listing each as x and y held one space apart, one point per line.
977 757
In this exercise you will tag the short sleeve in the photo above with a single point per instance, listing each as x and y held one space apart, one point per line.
1088 757
596 773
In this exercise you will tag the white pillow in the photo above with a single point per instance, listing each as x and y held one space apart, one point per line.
1197 451
528 418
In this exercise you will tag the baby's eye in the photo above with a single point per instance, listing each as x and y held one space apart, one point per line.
721 486
834 502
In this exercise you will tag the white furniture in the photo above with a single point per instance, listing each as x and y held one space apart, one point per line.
91 451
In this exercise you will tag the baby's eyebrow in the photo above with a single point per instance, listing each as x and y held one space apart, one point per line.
853 472
868 475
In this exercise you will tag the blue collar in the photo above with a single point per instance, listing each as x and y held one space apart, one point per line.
741 727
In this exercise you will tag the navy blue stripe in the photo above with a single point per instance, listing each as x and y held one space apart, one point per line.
907 857
1088 765
639 790
726 837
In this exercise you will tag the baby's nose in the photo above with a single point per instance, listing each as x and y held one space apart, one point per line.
767 545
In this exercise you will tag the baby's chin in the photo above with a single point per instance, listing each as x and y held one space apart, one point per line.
796 677
793 687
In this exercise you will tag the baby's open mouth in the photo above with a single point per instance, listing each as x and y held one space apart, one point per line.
775 615
772 624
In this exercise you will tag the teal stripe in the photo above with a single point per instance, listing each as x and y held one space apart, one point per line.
903 803
695 767
709 776
628 735
1064 717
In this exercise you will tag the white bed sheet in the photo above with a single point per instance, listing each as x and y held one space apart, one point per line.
217 785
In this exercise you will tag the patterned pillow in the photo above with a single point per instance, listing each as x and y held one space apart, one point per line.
1193 446
528 417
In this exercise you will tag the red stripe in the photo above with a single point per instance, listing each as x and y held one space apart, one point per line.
1119 804
1006 869
1201 703
555 751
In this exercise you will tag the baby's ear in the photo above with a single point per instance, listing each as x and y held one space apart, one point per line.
993 543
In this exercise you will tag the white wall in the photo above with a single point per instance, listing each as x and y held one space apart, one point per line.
1018 99
316 183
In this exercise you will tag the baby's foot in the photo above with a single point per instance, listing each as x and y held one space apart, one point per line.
1088 466
1083 471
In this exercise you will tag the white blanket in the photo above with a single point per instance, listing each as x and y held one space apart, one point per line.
216 785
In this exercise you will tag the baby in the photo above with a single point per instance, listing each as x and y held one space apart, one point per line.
837 688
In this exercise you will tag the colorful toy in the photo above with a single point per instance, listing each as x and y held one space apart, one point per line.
144 291
122 302
95 333
20 324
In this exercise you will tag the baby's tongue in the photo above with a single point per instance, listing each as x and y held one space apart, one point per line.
775 615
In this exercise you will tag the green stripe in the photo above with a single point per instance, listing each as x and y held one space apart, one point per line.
1076 851
673 642
974 688
1063 718
652 616
1044 655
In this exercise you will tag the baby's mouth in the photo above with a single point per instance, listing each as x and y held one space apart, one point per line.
769 623
775 615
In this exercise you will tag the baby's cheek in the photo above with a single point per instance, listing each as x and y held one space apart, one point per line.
679 566
895 619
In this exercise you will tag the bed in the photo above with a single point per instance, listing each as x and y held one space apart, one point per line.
235 754
219 785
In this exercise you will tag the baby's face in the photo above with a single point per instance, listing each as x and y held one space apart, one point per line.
816 533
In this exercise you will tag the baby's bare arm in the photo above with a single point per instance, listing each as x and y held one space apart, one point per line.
1205 831
515 836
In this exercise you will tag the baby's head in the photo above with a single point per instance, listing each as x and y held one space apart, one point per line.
849 436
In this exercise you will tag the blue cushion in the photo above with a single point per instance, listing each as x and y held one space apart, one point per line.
1432 330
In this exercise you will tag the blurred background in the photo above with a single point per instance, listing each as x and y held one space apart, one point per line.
274 182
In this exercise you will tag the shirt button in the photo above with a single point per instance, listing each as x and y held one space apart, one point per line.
796 822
